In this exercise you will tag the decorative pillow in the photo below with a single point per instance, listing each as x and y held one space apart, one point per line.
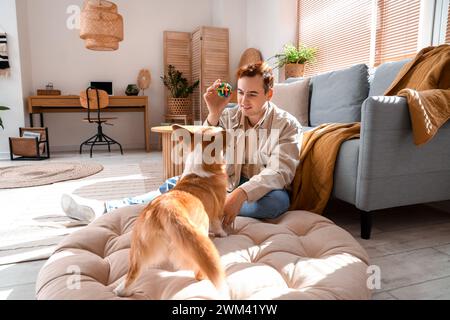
294 98
384 75
337 96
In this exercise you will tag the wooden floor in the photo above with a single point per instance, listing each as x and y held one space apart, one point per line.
411 245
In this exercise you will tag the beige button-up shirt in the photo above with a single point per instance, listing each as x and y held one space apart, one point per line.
273 147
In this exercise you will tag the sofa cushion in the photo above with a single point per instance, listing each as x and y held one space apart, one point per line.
337 96
384 75
290 80
300 255
294 98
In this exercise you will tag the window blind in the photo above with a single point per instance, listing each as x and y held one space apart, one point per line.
339 29
447 34
397 30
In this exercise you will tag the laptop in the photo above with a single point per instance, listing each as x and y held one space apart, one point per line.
107 86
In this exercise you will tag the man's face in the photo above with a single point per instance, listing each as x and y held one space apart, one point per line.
251 97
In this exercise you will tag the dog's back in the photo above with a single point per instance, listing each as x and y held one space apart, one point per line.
175 227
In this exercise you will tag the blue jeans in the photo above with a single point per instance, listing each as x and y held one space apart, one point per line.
272 205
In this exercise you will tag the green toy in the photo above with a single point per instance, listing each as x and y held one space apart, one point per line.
224 90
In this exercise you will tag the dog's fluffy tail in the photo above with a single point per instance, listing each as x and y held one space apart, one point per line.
197 247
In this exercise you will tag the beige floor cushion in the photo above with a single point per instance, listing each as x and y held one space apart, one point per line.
300 255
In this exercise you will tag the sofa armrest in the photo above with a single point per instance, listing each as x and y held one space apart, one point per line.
392 170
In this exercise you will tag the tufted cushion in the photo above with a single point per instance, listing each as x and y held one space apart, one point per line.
300 255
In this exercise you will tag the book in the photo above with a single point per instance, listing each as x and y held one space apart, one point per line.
32 135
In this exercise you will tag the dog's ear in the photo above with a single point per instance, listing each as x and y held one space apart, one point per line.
183 132
191 129
176 126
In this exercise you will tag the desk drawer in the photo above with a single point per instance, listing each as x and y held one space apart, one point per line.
56 102
127 101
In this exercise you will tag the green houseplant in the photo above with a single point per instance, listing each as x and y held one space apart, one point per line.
294 58
179 102
1 122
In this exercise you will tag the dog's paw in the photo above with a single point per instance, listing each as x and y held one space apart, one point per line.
221 234
120 291
199 276
229 229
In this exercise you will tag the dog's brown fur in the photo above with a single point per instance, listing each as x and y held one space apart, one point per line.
175 227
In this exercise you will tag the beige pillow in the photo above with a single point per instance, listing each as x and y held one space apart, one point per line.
294 98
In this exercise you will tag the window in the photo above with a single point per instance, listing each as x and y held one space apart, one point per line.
397 30
348 32
339 29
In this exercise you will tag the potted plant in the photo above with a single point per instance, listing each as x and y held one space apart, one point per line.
179 102
1 122
294 58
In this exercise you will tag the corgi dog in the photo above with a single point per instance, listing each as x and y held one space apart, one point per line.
175 226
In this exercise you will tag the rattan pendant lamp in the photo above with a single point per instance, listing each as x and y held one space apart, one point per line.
101 25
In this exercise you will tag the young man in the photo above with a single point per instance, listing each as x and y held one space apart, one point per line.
265 155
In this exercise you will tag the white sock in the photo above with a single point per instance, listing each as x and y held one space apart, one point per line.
82 209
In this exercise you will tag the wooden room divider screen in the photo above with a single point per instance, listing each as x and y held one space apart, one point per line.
201 55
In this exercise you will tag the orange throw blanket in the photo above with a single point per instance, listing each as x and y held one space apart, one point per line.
313 181
425 82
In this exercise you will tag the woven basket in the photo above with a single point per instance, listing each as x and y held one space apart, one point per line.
179 106
294 70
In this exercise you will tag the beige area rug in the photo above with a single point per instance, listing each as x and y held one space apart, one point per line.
42 174
32 222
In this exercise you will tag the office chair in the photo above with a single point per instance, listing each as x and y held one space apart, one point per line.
94 99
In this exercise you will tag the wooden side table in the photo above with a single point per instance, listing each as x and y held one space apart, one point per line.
170 168
184 119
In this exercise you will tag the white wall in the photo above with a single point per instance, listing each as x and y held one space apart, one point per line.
270 25
232 14
59 56
25 52
11 89
50 52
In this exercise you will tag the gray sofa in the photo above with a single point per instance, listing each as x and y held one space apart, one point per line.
384 168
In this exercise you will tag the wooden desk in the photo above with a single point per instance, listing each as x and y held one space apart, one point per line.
42 104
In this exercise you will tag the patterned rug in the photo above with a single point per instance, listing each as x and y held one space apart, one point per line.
42 174
32 222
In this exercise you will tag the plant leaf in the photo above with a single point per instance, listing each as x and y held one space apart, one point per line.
177 84
292 54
